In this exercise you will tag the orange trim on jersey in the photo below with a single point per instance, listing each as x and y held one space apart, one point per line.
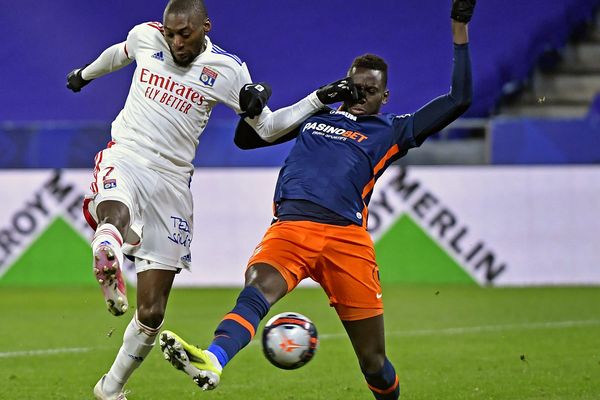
390 153
126 52
365 216
240 320
386 391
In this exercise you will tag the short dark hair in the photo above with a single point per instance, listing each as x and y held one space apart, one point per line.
371 61
191 7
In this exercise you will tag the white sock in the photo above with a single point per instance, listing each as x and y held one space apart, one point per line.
109 233
138 340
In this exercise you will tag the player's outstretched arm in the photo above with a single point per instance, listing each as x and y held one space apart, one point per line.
462 12
439 113
111 59
246 138
274 127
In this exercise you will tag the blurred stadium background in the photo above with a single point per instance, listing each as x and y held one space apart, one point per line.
509 195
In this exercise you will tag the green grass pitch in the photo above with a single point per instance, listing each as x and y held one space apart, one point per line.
446 343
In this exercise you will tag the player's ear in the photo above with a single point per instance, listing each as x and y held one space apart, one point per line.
207 25
386 96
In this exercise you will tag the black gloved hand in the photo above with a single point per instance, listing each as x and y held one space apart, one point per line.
253 98
462 10
342 90
75 81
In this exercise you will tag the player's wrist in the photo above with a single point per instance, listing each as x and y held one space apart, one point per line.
253 98
75 80
84 75
313 98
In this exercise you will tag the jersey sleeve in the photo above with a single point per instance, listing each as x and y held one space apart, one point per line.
132 43
403 132
232 97
113 58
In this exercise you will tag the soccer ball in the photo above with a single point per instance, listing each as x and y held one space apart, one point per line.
289 340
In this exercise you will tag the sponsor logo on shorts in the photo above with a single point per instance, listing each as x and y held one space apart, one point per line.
379 295
181 233
208 76
187 258
110 184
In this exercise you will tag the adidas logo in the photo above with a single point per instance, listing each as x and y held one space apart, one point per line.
158 56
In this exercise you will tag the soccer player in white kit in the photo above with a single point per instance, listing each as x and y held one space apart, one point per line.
141 204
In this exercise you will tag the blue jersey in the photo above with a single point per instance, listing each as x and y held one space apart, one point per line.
338 157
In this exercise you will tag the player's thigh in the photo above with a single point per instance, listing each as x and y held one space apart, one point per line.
117 179
290 247
114 179
167 225
349 274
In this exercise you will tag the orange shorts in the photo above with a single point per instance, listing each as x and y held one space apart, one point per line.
340 258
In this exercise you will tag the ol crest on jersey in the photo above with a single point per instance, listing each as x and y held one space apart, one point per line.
208 76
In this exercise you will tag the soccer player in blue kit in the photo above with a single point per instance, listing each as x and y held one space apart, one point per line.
321 212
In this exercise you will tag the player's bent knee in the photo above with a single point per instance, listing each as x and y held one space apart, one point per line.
114 213
268 280
371 362
151 316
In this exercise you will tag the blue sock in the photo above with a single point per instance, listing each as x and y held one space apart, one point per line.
384 383
239 326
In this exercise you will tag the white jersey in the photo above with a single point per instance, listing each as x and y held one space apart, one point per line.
168 106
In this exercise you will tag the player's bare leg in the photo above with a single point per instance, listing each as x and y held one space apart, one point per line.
154 287
368 339
268 280
113 224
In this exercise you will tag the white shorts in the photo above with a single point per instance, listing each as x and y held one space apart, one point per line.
160 208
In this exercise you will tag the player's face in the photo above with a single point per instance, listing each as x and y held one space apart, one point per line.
185 36
371 89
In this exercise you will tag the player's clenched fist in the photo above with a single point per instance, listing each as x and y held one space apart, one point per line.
253 98
75 81
462 10
342 90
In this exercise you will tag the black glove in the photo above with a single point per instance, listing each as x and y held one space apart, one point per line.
462 10
342 90
253 98
74 80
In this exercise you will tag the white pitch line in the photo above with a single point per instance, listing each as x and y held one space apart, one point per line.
480 329
327 336
32 353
